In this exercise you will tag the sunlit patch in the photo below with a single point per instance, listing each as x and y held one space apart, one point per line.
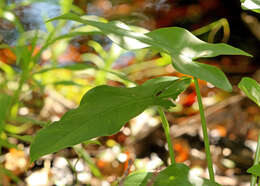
204 53
172 178
84 177
154 162
187 54
194 176
129 42
9 16
122 25
249 4
226 151
23 111
122 157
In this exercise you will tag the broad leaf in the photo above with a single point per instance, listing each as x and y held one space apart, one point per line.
174 175
253 5
137 179
251 88
182 45
184 48
255 170
103 111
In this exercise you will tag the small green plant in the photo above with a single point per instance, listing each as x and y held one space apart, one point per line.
104 109
252 90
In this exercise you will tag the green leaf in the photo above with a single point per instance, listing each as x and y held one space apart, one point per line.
137 179
174 175
255 170
74 66
5 101
251 88
182 45
91 142
179 174
185 48
26 138
103 111
253 5
67 83
6 144
122 34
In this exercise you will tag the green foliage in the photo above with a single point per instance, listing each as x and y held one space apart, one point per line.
103 111
253 5
138 179
5 101
183 47
251 88
174 175
255 170
9 174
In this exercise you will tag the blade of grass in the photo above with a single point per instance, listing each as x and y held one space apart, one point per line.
256 161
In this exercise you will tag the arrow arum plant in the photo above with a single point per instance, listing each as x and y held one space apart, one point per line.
252 90
104 109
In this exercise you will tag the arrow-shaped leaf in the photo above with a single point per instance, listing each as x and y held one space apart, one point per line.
184 48
182 45
174 175
251 88
103 111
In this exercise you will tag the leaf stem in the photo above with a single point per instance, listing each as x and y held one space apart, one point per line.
204 129
256 161
166 128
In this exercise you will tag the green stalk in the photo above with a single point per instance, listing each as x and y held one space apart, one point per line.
256 161
85 156
204 129
166 128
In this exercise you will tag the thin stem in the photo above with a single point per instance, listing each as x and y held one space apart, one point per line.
85 156
166 128
256 161
204 129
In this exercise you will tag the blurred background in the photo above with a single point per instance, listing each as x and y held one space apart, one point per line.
45 71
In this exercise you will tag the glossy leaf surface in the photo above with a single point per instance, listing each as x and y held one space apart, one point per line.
182 45
103 111
251 88
253 5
